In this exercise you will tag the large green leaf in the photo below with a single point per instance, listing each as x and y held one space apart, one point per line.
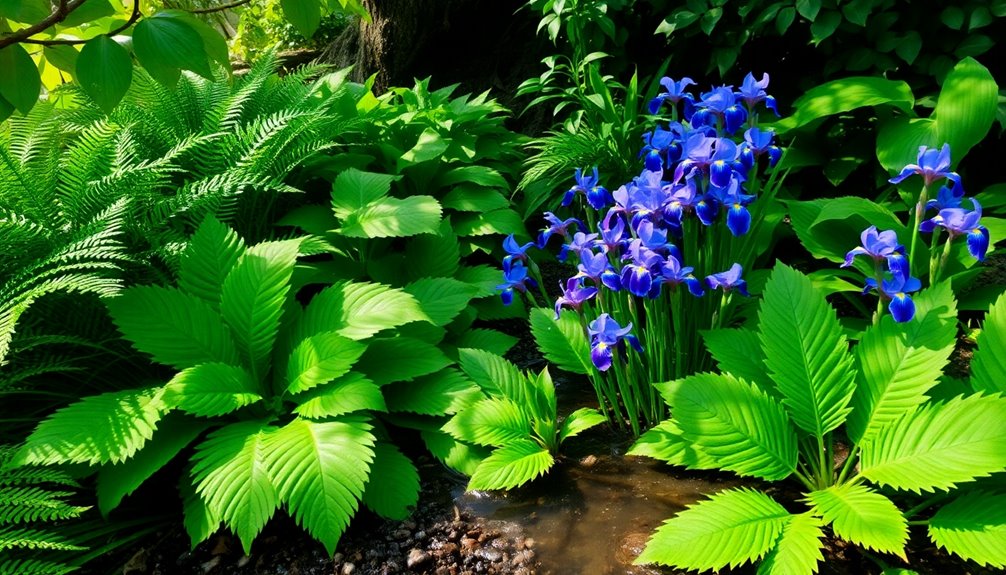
458 455
798 550
517 463
844 95
973 526
738 352
351 392
252 299
353 189
393 489
988 368
212 252
166 45
495 375
104 71
106 428
468 198
401 359
563 341
501 221
730 528
441 299
579 421
805 351
937 446
442 393
211 389
490 340
393 217
829 228
233 477
899 362
862 516
665 442
429 146
740 427
494 422
319 359
305 15
359 310
20 84
433 254
177 329
320 470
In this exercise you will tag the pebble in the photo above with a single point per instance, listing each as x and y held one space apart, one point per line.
416 558
528 543
490 554
348 569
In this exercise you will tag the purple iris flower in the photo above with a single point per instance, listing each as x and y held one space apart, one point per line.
651 236
721 104
947 197
757 142
515 279
897 289
557 226
676 275
515 252
657 144
597 268
573 295
606 335
880 246
613 235
640 276
682 201
957 222
729 280
753 91
580 241
738 216
674 92
582 185
932 165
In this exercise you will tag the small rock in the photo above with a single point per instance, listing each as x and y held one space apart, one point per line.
447 549
337 558
401 534
490 554
416 558
211 564
522 571
420 535
453 535
244 560
589 461
522 557
348 569
468 545
528 543
442 571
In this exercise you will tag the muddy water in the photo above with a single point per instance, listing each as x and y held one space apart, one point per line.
593 515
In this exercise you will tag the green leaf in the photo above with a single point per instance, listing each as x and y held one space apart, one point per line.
441 299
484 278
494 422
731 528
393 489
805 352
740 427
429 146
561 341
828 228
467 198
392 217
738 352
212 252
973 527
519 462
65 58
988 369
20 84
785 19
862 516
234 479
305 15
798 550
899 362
88 12
495 342
665 442
478 175
166 45
909 46
213 41
177 329
434 254
351 392
845 95
495 375
106 428
320 359
401 359
211 390
354 189
320 470
359 310
442 393
252 297
6 109
200 523
825 25
117 481
937 446
808 8
503 221
579 421
104 71
458 455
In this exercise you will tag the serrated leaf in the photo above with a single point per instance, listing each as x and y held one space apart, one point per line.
104 71
211 390
20 84
429 146
393 489
805 352
730 528
798 550
502 221
468 198
563 341
212 252
442 393
319 359
515 464
738 352
937 446
478 175
988 368
862 516
973 526
495 375
359 310
200 523
434 254
579 421
458 455
484 278
401 359
490 340
496 421
441 299
351 392
354 189
393 217
899 362
665 442
166 45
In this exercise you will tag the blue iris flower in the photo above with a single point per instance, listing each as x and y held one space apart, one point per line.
719 104
640 276
957 222
613 236
947 197
515 252
897 289
682 201
932 165
651 236
752 92
597 196
597 268
557 226
674 92
675 275
573 295
729 280
515 279
880 246
580 241
757 142
738 216
605 336
656 148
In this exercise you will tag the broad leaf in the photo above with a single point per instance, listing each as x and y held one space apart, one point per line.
441 299
973 526
798 550
493 422
738 352
665 442
319 359
20 84
579 421
393 489
502 221
212 252
393 217
211 390
805 352
563 341
305 15
938 446
468 198
458 455
166 45
495 375
351 392
359 310
495 342
484 278
862 516
844 95
433 254
401 359
353 189
200 523
730 528
442 393
104 71
508 467
988 368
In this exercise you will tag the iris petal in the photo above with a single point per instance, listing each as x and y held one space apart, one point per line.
978 242
902 308
738 220
600 355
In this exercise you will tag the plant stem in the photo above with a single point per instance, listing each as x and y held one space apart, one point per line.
878 276
849 464
920 208
943 259
928 502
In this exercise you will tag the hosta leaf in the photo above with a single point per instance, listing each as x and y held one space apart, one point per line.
233 478
441 299
442 393
319 359
740 427
495 375
862 516
900 362
252 299
973 526
579 421
490 340
502 221
938 446
494 421
212 252
394 218
468 198
738 352
805 352
434 254
393 489
664 442
988 369
458 455
513 465
798 550
359 310
106 428
478 175
351 392
730 528
353 189
211 390
177 329
484 278
400 359
320 470
563 341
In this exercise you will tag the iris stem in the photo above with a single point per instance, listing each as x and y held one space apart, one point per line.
944 257
878 276
933 261
920 208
